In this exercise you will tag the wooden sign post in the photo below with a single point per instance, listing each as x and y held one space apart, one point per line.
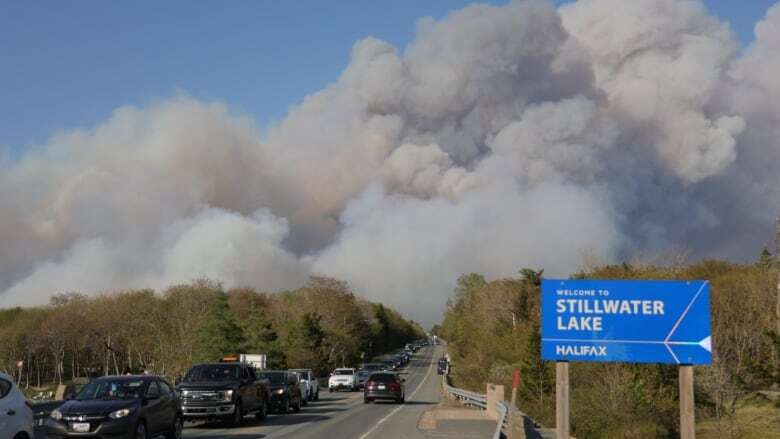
687 414
562 399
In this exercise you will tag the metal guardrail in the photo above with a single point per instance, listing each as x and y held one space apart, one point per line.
464 396
479 400
503 411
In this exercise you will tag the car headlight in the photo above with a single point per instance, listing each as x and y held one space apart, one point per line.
279 391
119 414
228 395
56 415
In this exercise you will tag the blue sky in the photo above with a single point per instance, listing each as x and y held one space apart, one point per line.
70 64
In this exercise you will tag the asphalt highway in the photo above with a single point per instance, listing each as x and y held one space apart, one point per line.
343 414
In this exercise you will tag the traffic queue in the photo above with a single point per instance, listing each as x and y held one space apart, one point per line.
147 405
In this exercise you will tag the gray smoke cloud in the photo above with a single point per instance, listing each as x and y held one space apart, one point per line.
501 137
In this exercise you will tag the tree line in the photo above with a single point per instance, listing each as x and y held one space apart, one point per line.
320 326
493 328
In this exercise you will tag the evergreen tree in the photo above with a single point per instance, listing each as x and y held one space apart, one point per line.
766 260
305 343
537 374
220 334
260 337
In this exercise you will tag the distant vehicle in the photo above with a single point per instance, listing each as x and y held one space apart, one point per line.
385 385
343 378
285 390
390 364
225 391
312 385
362 377
16 417
443 366
141 406
373 367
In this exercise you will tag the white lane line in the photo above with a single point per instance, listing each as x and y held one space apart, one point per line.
389 415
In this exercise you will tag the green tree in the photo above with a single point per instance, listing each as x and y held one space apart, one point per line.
220 334
537 374
305 344
766 260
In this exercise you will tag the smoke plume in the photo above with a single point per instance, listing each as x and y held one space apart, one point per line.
502 137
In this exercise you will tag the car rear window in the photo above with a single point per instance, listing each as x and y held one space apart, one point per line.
344 372
383 378
213 372
276 378
5 388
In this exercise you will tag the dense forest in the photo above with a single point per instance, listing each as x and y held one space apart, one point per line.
319 326
493 328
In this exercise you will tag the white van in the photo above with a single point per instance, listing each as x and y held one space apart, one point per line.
16 417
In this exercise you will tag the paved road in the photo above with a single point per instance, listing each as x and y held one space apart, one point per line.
344 415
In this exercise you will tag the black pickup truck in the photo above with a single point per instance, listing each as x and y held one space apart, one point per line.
224 391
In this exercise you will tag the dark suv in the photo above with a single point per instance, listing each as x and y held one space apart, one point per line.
384 385
119 407
285 390
443 367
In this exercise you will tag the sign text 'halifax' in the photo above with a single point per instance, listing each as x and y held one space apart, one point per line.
626 321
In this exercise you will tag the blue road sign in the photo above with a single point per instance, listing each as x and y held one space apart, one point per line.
626 321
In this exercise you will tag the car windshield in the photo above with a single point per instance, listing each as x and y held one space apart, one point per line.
344 372
275 378
112 390
213 372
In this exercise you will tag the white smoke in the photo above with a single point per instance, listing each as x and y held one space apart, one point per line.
501 137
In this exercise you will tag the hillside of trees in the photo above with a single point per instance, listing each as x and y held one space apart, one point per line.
493 328
320 326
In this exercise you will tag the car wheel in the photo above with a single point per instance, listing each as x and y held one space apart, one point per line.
238 415
140 431
330 389
366 401
286 407
304 401
317 395
177 430
21 435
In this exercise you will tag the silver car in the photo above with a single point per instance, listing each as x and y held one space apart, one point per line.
16 417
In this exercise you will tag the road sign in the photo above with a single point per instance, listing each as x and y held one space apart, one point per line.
626 321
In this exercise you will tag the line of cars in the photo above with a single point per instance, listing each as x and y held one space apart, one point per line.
146 406
379 380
